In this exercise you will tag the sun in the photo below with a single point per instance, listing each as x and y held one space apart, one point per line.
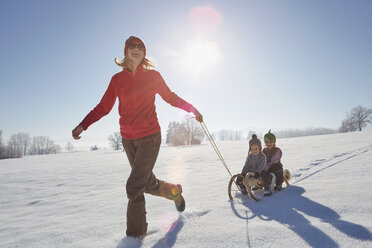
200 56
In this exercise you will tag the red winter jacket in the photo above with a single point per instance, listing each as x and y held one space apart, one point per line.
136 95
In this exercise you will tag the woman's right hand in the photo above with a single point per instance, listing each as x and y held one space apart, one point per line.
77 131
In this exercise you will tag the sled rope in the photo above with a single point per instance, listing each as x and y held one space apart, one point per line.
214 146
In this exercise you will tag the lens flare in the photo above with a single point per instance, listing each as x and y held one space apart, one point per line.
174 193
205 18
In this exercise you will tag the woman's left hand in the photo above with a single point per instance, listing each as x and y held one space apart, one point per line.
199 117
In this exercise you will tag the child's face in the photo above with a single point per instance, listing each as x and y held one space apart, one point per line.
269 144
255 149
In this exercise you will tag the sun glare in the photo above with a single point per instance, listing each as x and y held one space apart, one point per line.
200 56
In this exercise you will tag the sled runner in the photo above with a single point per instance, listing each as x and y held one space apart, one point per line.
249 181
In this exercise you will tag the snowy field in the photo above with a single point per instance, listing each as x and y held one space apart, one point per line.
79 200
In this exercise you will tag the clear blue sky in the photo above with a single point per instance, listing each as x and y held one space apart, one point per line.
243 64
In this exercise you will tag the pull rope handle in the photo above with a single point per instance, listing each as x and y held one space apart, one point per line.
214 146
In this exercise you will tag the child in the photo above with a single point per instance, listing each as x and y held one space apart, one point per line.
273 156
255 161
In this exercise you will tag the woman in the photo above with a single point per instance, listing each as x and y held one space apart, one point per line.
136 87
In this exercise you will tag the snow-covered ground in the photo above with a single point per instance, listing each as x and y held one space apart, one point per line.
79 200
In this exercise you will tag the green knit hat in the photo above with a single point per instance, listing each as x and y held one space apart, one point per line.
269 137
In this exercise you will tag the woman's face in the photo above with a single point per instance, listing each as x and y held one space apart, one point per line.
255 149
136 52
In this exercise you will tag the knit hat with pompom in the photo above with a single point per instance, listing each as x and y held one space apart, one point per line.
255 141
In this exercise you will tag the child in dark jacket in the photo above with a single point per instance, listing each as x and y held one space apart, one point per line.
255 162
273 156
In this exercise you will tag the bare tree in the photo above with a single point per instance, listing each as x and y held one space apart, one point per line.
170 133
358 118
43 145
25 140
116 141
187 132
176 134
18 145
361 115
347 125
69 147
56 149
181 135
194 133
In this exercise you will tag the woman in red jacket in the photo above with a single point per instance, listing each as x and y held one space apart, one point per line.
136 87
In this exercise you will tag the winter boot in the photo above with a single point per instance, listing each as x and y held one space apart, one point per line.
268 192
278 188
179 201
243 190
241 186
254 188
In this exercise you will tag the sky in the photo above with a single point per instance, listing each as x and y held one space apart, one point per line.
245 65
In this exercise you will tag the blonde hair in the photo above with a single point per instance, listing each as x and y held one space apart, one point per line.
127 63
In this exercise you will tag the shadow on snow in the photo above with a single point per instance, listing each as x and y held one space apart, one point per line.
170 238
287 213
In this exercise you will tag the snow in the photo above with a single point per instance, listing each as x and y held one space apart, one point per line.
79 199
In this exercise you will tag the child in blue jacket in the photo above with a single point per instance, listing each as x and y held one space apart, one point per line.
255 162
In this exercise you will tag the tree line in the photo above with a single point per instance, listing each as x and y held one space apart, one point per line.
186 132
355 120
291 133
22 144
230 135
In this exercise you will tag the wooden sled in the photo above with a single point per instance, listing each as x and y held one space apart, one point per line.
249 181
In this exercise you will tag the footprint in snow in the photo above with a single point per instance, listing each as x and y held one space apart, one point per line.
34 203
339 155
317 162
195 214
